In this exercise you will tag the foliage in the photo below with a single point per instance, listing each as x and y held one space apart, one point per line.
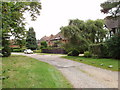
12 17
82 33
31 39
21 42
100 50
87 54
114 46
43 45
37 51
17 50
112 8
6 51
73 53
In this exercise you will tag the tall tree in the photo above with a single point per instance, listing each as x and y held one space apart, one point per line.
81 33
74 37
31 39
12 15
111 7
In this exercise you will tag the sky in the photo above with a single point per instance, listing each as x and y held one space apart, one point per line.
57 13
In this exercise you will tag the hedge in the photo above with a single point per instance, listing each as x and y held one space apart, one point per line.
100 50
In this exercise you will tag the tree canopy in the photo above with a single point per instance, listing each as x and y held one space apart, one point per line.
13 16
31 39
112 8
81 33
13 22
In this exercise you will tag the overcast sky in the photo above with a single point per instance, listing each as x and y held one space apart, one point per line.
57 13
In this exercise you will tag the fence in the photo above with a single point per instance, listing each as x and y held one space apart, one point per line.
54 51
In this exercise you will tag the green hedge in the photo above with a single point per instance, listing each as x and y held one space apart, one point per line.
6 51
114 46
17 50
37 51
73 53
99 50
87 54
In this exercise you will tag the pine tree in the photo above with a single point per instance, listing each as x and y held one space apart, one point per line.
31 39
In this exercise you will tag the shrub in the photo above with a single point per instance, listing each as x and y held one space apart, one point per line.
17 50
23 49
70 53
100 50
43 45
37 51
87 54
114 46
6 51
73 53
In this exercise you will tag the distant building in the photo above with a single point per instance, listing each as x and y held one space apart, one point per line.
53 40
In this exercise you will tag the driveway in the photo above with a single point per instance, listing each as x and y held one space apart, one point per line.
78 74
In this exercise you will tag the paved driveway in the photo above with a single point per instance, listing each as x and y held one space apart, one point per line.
78 74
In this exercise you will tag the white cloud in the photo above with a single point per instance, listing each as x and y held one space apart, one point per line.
57 13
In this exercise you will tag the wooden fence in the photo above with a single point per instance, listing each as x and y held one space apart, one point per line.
54 51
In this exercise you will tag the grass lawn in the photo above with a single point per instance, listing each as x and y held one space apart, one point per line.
25 72
96 62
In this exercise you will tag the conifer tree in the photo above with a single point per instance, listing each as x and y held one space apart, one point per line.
31 39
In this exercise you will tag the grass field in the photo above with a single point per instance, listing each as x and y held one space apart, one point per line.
26 72
96 62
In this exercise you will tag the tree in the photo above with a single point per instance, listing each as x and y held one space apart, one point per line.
82 33
31 39
21 42
113 45
74 37
13 17
113 20
43 44
6 51
110 7
95 31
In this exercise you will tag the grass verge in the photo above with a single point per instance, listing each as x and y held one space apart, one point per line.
25 72
96 62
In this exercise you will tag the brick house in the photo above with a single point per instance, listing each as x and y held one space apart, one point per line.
53 40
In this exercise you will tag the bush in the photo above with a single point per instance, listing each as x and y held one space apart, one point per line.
73 53
100 50
114 46
17 50
6 51
87 54
37 51
70 53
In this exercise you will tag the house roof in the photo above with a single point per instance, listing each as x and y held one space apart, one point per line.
52 37
112 23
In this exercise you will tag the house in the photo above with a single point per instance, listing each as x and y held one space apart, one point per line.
113 24
54 40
